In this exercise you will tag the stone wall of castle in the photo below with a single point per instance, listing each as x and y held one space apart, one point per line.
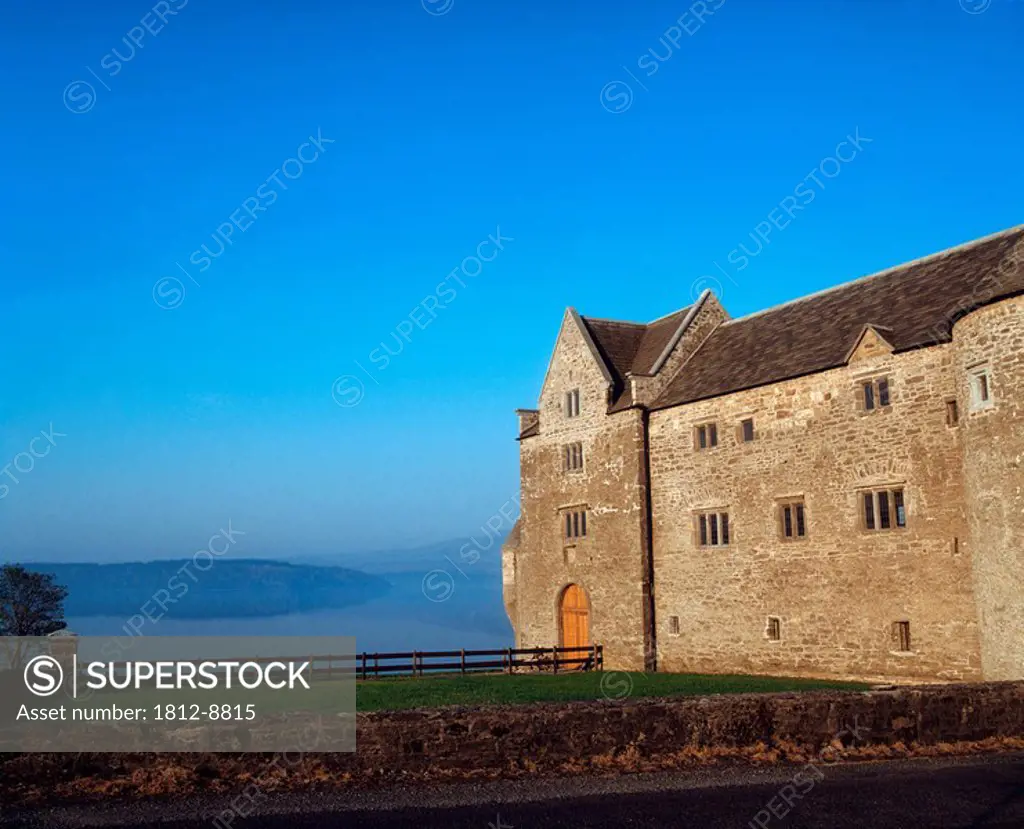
608 562
991 339
839 592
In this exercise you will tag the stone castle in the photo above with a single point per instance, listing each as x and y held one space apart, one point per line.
833 487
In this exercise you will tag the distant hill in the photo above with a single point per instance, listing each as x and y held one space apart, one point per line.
230 588
477 554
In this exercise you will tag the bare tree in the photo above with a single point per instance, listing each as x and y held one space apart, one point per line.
31 604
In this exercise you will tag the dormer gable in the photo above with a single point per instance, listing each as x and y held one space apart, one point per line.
870 344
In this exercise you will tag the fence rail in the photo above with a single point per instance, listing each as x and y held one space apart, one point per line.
418 663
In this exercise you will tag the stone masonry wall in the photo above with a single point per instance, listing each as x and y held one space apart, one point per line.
545 736
608 563
837 591
994 475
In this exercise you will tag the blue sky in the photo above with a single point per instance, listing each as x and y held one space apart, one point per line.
441 124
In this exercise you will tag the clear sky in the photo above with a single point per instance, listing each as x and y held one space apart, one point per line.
624 151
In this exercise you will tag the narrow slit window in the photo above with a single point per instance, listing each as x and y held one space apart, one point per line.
703 530
747 430
869 396
801 529
869 510
952 413
583 524
702 437
713 434
714 530
673 624
774 629
568 525
901 636
787 521
724 520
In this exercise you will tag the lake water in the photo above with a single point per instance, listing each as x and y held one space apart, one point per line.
403 620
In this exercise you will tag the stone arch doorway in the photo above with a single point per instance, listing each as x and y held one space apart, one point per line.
574 618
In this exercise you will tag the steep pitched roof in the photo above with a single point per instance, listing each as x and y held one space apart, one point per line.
916 303
632 347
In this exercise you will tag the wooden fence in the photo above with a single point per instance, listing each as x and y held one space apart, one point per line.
418 663
507 660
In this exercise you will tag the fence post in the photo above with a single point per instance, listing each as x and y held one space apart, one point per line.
376 665
462 660
510 666
554 660
364 664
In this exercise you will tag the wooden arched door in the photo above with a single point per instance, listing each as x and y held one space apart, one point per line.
574 622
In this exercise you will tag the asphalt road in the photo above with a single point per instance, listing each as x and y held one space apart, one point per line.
949 794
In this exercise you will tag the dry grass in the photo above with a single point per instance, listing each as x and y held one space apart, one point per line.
44 779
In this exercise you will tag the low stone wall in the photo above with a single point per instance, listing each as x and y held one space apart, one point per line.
549 735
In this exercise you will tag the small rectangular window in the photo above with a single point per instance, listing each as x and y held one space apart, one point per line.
747 430
884 509
573 456
706 436
572 403
774 629
952 413
713 529
673 624
901 636
980 380
791 520
576 524
876 393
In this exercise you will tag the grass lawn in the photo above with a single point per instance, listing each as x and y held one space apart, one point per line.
480 689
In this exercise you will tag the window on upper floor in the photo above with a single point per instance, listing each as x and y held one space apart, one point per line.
572 457
792 520
980 380
747 430
883 509
575 524
572 403
705 436
673 625
875 393
712 529
773 630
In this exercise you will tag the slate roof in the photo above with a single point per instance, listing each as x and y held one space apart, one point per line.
911 305
917 303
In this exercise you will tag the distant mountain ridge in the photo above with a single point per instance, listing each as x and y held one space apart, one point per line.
229 588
